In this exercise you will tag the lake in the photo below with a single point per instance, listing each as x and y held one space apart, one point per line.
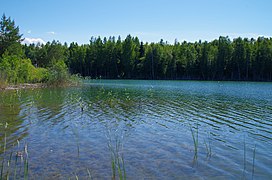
138 130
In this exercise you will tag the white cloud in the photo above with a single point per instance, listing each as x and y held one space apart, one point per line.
51 32
249 35
33 41
29 32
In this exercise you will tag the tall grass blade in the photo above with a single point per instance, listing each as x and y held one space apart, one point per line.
124 170
5 142
113 169
253 161
195 139
244 171
15 168
26 163
26 169
5 138
9 164
2 169
208 149
89 174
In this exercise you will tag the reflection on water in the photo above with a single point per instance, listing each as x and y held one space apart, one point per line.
142 129
11 128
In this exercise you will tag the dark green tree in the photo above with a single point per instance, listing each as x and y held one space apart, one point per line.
10 38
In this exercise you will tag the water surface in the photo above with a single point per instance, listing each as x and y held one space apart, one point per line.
146 126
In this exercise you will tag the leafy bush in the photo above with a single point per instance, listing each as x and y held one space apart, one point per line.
39 75
3 80
9 65
25 71
16 70
58 74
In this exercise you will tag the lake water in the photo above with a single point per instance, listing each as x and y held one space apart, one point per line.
138 130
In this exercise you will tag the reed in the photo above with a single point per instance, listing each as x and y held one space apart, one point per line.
4 151
9 169
244 171
9 165
195 139
5 138
76 134
89 174
15 169
208 149
117 161
25 169
253 161
2 169
26 162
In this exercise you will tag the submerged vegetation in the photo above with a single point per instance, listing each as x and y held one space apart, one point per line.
121 133
13 164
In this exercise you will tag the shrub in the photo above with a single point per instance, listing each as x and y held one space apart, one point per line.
58 74
9 65
39 75
3 80
25 70
16 70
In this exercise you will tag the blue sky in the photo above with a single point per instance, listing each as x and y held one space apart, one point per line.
150 20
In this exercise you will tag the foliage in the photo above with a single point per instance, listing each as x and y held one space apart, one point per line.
58 74
10 66
9 36
15 70
220 59
39 75
3 80
17 61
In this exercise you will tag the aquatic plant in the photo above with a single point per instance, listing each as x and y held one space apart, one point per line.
89 174
244 171
117 164
81 104
253 161
208 148
117 159
195 139
9 169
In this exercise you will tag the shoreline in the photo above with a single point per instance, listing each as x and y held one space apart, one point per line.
44 85
23 86
34 86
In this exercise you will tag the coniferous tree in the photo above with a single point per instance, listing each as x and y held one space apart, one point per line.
10 38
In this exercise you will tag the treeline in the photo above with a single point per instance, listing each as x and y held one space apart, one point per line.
220 59
111 58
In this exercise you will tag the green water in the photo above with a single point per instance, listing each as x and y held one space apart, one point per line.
145 128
